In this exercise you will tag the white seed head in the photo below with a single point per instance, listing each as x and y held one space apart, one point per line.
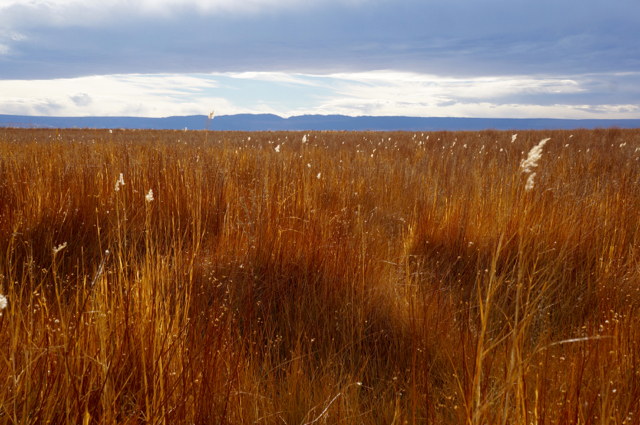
3 302
59 248
304 139
119 182
278 148
319 175
535 153
513 138
149 196
530 182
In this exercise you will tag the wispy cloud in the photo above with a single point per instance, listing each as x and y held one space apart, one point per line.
362 93
116 95
277 77
468 88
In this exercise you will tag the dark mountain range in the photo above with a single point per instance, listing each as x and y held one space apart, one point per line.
265 122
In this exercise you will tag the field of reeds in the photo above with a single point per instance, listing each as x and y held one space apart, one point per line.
324 277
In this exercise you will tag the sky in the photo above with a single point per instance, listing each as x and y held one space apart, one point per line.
422 58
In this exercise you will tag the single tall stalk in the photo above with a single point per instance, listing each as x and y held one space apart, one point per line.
206 134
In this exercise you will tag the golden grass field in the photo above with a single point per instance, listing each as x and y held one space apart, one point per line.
357 278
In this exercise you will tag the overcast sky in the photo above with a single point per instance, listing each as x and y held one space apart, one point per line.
491 58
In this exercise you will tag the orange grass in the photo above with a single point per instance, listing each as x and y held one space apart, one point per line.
358 278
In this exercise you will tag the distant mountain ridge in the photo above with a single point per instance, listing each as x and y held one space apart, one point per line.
266 122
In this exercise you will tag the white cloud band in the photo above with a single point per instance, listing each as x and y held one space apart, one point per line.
375 93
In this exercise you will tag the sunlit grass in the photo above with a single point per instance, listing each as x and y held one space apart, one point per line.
325 277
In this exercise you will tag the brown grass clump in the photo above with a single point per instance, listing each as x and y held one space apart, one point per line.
356 278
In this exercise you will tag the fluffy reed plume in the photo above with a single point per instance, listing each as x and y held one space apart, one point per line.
119 182
531 162
59 248
3 303
534 156
149 197
513 138
209 118
530 182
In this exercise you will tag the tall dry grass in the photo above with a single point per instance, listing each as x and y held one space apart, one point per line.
354 278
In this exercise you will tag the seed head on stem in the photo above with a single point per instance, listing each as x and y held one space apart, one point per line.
527 165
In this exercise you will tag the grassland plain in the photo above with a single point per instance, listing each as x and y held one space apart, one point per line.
357 278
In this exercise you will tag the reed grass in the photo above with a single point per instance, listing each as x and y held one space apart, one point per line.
327 277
